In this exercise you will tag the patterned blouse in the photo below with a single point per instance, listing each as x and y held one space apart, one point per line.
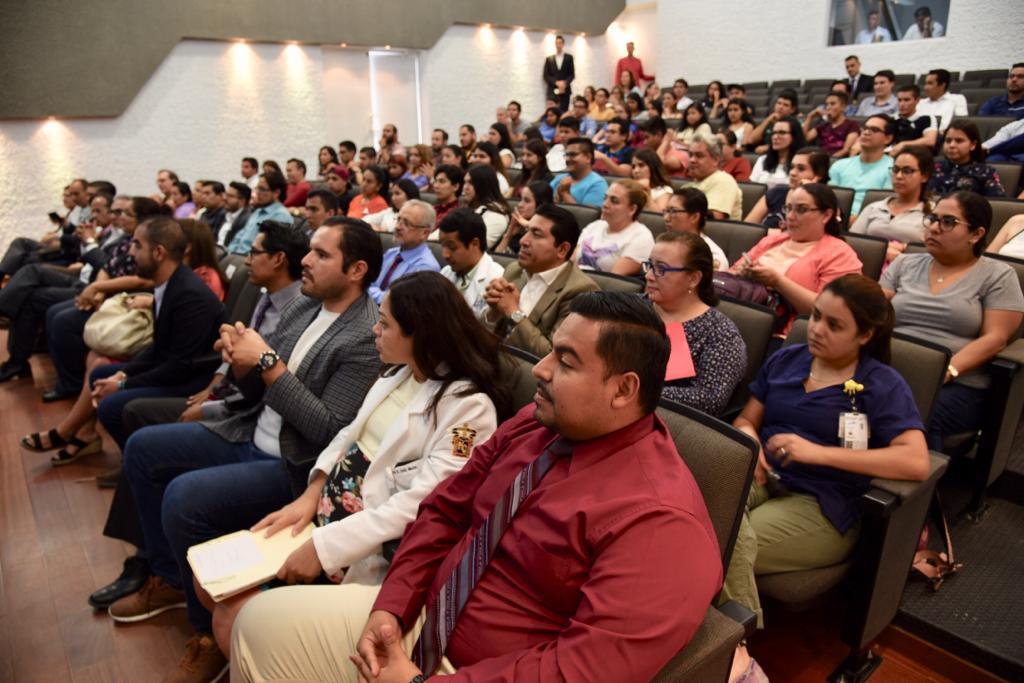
121 262
975 176
720 359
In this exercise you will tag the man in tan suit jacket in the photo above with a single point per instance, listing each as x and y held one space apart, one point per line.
528 304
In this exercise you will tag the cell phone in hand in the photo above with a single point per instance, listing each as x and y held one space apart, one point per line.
55 217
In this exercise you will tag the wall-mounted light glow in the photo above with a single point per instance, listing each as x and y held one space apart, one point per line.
344 44
485 36
387 47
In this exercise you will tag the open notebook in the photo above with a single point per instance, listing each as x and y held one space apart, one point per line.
237 562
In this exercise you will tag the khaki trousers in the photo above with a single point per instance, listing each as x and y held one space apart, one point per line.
781 534
306 633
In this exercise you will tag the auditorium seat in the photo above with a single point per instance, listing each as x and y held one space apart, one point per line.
1009 176
585 215
1002 211
793 83
755 324
981 95
987 125
756 85
387 240
871 252
734 238
752 192
513 174
893 515
991 77
904 79
437 250
954 76
610 282
505 260
654 220
872 196
428 197
845 197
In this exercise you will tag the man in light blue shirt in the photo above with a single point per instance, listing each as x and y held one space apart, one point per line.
267 206
884 101
872 168
581 185
410 253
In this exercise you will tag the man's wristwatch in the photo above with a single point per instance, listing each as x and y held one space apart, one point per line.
268 359
952 371
419 679
517 316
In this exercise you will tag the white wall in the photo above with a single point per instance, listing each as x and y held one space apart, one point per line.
208 105
754 40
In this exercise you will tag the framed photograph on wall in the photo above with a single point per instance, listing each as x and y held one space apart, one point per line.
860 22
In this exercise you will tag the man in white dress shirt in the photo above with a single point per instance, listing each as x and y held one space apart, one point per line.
940 104
924 26
875 32
470 268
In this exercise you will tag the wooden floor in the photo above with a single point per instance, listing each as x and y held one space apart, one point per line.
52 555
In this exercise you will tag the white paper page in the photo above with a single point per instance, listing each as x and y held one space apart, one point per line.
229 557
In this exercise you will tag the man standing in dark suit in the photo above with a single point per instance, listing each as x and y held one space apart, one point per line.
558 74
859 83
306 382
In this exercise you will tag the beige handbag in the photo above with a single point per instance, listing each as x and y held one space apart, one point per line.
116 330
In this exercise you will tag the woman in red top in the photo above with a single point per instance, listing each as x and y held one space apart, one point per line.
374 190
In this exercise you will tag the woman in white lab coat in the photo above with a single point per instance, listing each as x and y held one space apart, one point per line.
441 391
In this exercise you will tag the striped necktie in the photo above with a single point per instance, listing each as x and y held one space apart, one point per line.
455 592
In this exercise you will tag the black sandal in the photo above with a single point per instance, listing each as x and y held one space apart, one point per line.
84 449
34 442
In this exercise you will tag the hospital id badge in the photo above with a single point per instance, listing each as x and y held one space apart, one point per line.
854 431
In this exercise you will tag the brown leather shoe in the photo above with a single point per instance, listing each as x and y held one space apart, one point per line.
155 597
203 662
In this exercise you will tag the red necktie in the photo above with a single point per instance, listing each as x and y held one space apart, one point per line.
391 271
444 613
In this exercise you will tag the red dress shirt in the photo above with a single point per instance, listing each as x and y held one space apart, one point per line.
631 64
296 194
605 573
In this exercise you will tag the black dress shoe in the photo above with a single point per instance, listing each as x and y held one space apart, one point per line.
9 371
53 395
133 576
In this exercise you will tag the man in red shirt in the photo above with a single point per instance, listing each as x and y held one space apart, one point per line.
298 188
573 546
632 64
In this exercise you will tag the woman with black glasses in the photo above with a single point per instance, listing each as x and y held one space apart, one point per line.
708 357
952 296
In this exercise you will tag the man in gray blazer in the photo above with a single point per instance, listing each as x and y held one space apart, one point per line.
196 481
528 304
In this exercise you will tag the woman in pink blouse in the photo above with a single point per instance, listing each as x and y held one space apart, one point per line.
798 263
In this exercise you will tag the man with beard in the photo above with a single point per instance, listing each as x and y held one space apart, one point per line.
308 381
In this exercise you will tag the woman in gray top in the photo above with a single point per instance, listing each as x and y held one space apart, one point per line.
900 218
950 295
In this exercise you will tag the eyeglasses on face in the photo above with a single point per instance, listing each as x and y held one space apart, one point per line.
660 269
798 209
873 129
672 211
946 222
253 251
904 170
404 222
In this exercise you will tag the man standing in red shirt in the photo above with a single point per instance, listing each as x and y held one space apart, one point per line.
633 65
574 532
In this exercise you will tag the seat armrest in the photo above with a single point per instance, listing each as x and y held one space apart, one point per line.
886 494
708 655
1011 357
741 615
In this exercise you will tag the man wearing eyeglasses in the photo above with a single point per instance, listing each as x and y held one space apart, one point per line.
872 168
410 253
268 206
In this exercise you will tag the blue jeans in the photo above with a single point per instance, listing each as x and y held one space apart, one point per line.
190 486
111 409
958 408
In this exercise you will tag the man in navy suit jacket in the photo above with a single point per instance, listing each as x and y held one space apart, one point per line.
188 316
558 74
